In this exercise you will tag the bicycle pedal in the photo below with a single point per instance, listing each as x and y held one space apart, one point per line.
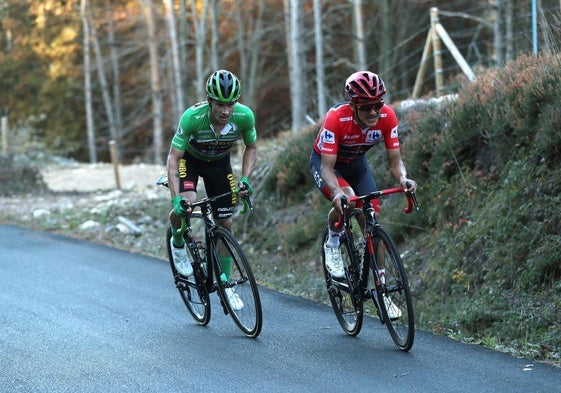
334 291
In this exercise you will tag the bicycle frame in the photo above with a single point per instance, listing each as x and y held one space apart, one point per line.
205 206
371 225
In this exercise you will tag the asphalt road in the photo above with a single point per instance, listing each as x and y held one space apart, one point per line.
78 317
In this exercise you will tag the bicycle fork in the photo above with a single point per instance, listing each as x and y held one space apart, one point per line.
372 264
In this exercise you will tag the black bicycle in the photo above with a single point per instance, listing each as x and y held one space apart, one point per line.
363 256
210 246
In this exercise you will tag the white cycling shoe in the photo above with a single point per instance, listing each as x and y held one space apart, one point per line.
234 299
181 260
393 311
333 261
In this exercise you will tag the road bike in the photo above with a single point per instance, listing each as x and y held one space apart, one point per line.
363 255
209 244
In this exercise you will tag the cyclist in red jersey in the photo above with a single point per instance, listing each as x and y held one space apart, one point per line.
338 163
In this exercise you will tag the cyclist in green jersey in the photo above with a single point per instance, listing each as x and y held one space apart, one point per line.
201 148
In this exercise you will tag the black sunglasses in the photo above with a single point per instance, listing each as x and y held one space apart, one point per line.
367 108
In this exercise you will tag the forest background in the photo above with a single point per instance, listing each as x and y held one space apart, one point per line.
75 75
78 73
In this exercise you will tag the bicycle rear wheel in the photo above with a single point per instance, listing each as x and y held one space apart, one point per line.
238 291
193 289
396 294
349 312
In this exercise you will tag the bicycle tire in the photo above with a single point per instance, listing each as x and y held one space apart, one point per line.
249 319
193 290
347 306
396 288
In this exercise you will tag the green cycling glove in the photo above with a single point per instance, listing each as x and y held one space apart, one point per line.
178 208
246 185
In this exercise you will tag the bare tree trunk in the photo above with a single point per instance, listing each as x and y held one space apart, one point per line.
295 71
255 52
548 40
249 48
200 44
179 101
386 28
240 38
106 95
155 84
509 34
183 37
360 51
320 71
496 6
87 83
214 17
117 102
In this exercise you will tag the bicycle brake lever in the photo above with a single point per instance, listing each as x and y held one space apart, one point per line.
411 201
247 205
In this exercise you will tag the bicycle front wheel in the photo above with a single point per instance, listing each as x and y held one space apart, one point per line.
236 283
397 305
345 301
193 290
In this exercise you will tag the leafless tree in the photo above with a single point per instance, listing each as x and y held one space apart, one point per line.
155 83
116 80
320 71
292 12
105 93
200 27
170 16
87 83
360 50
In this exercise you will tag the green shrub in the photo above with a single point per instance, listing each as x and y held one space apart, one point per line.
290 178
18 176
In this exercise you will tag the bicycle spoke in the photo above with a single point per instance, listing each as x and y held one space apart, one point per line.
239 291
395 297
347 308
194 295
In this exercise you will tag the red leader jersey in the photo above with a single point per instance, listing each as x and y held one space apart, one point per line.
341 135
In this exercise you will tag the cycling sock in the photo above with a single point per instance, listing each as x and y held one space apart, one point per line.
177 239
382 275
226 264
333 239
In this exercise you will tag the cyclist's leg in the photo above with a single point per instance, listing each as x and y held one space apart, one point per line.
188 179
218 178
363 182
332 216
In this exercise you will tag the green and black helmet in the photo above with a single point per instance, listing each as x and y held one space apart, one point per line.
223 86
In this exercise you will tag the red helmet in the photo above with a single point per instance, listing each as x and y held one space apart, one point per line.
364 86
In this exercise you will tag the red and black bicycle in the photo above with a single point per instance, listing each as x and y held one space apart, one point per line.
364 255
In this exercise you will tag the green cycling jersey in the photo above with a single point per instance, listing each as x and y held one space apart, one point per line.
196 136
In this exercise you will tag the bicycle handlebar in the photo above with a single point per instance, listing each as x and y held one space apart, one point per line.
247 205
411 200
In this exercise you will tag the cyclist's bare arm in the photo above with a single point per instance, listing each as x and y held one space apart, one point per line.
249 159
172 166
398 171
330 179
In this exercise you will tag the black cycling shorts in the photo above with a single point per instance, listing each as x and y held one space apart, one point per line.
218 179
356 174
